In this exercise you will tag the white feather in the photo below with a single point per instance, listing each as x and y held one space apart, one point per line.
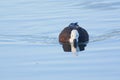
74 35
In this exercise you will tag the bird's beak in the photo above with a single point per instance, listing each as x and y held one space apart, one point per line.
75 43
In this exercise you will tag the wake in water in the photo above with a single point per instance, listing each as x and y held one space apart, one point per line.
51 39
114 34
28 39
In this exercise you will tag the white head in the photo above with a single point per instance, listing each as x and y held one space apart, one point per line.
74 35
73 40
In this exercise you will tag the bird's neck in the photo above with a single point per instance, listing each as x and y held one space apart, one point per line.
73 49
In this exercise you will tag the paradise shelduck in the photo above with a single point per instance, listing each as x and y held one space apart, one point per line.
73 38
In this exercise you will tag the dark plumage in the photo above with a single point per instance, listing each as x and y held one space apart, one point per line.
65 35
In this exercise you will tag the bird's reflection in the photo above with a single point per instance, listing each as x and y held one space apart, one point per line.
67 47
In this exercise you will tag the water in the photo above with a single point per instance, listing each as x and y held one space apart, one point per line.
29 48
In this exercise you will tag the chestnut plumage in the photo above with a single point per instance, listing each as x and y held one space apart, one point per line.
73 36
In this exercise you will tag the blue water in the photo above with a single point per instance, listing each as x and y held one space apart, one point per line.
29 48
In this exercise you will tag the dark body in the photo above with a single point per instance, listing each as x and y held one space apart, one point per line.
64 37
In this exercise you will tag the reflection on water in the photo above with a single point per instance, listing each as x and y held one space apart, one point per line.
38 22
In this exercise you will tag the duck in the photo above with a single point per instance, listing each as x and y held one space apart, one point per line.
73 38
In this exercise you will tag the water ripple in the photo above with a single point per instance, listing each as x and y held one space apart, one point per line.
100 5
51 39
28 39
114 34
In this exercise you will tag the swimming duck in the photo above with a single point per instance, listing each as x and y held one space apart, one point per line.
73 38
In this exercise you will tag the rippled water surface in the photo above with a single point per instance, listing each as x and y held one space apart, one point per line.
29 48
